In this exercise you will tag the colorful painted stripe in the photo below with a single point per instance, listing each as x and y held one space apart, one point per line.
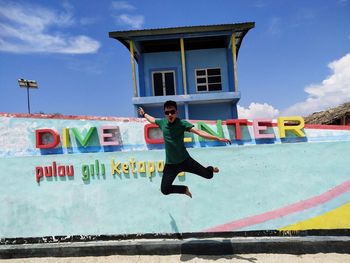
297 207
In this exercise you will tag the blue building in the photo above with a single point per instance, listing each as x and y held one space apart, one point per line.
195 66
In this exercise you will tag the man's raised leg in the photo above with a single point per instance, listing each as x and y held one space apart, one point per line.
169 174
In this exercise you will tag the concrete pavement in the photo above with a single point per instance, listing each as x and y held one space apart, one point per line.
237 258
294 245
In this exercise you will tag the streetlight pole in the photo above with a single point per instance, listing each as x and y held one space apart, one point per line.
28 100
23 83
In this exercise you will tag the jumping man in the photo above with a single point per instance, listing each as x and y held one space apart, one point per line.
177 159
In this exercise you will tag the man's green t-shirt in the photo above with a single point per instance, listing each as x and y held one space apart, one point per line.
173 134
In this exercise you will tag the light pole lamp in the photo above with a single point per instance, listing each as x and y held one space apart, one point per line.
28 84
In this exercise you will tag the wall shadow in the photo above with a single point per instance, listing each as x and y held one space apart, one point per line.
212 250
174 227
294 139
58 150
155 146
214 258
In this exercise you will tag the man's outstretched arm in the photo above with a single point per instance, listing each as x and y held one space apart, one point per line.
209 136
148 117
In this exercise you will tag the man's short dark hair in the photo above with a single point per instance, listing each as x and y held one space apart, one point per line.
170 103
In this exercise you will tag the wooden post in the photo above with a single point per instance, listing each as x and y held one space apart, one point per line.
183 62
234 60
133 67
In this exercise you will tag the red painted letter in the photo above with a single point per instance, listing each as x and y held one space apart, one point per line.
52 138
38 173
237 124
149 140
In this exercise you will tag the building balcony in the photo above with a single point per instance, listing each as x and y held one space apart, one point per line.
199 98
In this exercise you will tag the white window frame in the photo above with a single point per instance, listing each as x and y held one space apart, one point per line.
206 80
163 81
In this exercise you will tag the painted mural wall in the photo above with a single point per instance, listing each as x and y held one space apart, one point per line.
94 176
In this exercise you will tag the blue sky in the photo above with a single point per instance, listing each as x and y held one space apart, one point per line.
295 61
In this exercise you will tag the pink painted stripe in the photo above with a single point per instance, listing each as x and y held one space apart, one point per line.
308 126
327 127
127 119
302 205
69 117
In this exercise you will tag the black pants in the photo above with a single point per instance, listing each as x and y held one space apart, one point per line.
171 171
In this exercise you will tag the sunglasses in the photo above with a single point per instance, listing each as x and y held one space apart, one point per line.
168 112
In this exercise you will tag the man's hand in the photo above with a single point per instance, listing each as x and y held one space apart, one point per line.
141 111
148 117
225 140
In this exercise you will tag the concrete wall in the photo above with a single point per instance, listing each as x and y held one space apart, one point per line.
195 59
215 111
160 62
206 58
291 183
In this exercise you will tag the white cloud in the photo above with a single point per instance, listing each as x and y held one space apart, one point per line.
122 5
29 29
259 4
88 21
274 27
257 110
342 2
124 18
331 92
133 21
303 18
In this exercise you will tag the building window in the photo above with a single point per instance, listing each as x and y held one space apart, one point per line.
163 83
208 79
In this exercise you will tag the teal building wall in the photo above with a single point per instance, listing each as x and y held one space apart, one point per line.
262 185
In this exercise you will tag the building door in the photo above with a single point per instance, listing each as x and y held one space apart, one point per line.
163 83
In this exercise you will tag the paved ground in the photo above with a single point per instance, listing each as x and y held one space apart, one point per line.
246 258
